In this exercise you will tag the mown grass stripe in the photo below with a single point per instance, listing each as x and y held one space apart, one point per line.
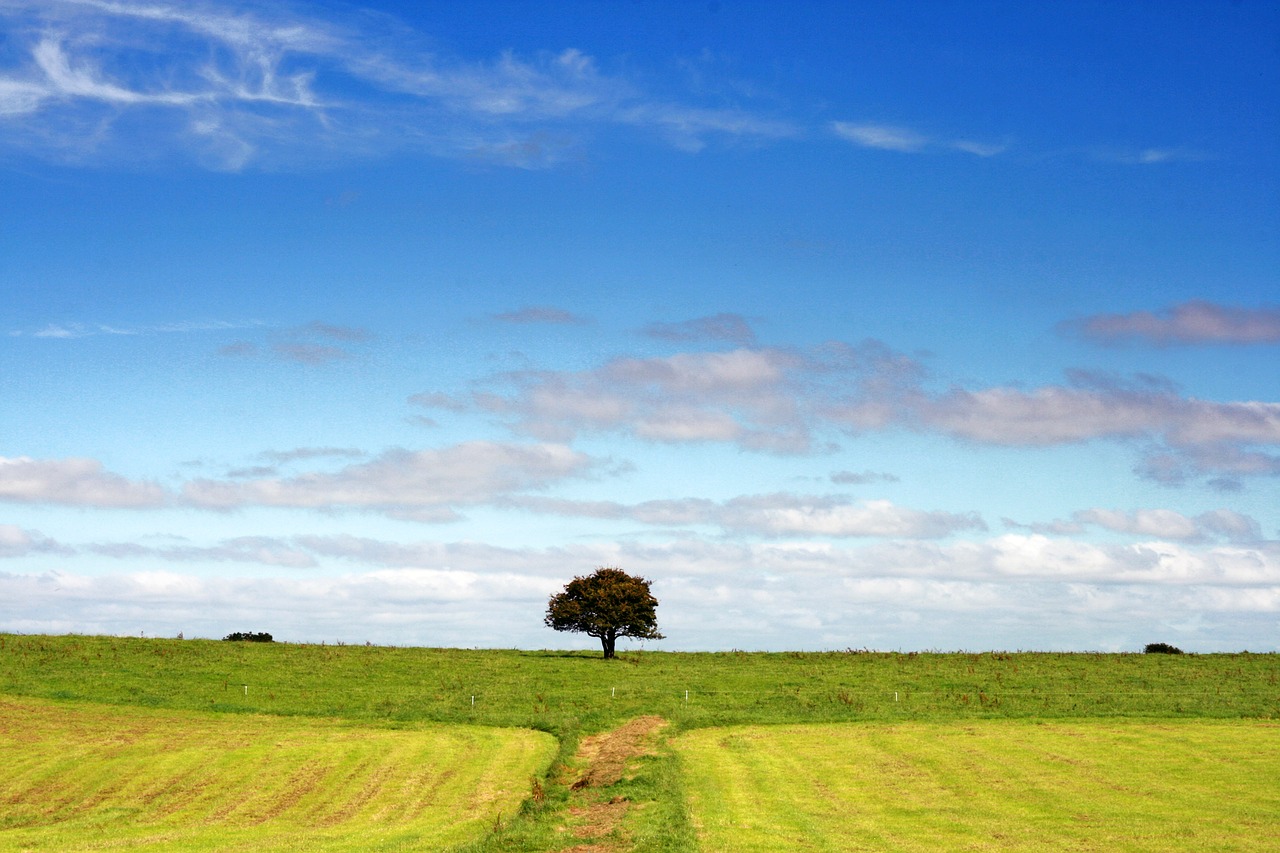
103 777
1142 786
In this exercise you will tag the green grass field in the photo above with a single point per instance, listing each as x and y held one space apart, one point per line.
1098 785
388 693
91 777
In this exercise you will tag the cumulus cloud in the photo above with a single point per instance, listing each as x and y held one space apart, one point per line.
18 542
1158 523
75 482
782 400
759 398
419 485
1054 415
257 83
722 328
1188 323
733 396
1161 523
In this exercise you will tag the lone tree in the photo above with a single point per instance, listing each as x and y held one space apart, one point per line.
607 604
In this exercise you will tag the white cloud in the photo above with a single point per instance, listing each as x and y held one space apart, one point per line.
82 330
260 84
780 400
75 482
1011 591
1058 415
18 542
883 136
888 137
979 149
259 550
420 485
744 396
1149 156
793 515
1162 523
771 515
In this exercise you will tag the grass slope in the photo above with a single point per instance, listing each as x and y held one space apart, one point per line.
86 777
1116 785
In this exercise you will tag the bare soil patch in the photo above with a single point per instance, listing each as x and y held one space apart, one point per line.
604 757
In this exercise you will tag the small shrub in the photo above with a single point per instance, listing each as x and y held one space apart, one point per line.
248 637
1162 649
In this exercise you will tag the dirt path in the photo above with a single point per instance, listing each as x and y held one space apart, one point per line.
595 817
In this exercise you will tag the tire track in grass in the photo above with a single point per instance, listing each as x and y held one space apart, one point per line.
596 818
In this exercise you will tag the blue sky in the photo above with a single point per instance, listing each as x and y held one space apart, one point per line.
884 325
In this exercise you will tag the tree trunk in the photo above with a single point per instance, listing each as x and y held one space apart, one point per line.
607 643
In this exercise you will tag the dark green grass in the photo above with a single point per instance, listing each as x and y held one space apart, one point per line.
570 693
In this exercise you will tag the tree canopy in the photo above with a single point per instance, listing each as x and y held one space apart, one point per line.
606 604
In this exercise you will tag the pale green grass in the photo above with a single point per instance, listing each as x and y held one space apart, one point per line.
1096 785
97 777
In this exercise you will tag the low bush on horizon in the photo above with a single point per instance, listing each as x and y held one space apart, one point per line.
248 637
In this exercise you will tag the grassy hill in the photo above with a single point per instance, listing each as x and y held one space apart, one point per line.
574 695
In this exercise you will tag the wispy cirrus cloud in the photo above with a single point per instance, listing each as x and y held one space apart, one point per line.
231 86
1148 156
313 344
859 478
883 136
259 550
534 314
1188 323
67 331
781 515
905 140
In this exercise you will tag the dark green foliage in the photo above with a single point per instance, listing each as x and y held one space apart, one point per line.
1162 649
607 604
248 637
